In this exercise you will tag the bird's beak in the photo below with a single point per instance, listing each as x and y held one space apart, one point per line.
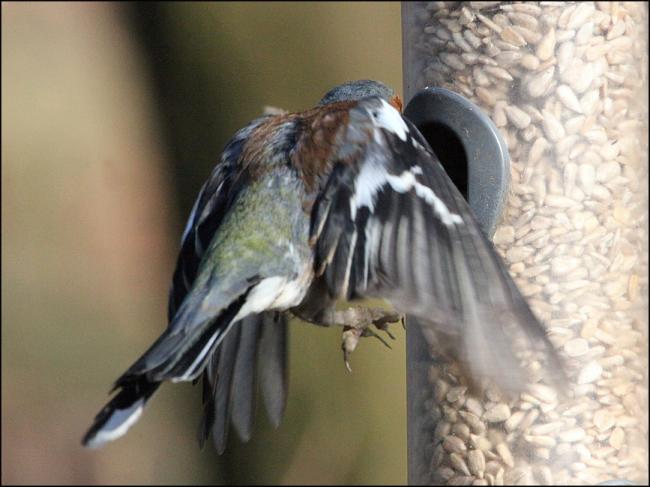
396 101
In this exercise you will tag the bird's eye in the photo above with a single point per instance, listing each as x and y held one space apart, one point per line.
375 113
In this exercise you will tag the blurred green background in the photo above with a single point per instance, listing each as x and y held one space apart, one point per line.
112 117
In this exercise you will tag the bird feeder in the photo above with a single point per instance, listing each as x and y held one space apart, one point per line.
539 113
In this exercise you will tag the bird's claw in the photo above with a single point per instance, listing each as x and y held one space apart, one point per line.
367 332
380 319
351 337
383 327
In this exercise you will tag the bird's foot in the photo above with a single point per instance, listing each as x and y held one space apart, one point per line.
356 323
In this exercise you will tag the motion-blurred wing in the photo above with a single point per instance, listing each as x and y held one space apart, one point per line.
390 223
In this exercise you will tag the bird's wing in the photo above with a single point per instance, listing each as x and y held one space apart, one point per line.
390 223
213 202
172 356
229 265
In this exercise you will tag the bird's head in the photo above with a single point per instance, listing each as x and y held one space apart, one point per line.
357 90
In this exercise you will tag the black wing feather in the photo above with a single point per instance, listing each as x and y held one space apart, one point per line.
419 245
273 364
244 377
222 369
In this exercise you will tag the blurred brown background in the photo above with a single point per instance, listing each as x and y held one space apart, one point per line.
112 117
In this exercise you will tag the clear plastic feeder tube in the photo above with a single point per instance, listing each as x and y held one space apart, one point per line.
567 84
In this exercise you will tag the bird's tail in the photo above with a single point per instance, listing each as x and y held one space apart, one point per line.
120 413
179 354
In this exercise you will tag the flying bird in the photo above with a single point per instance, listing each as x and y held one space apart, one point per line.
334 204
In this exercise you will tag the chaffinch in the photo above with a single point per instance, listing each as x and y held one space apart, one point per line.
340 202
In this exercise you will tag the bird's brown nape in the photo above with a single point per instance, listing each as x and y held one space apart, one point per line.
396 101
314 149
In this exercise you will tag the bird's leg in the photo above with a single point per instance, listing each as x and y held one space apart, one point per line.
356 322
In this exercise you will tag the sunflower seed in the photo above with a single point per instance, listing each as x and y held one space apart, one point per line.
546 45
510 35
505 454
454 444
616 438
580 15
590 373
518 117
443 428
566 95
572 435
493 26
544 441
498 73
497 413
476 463
473 421
603 420
552 127
461 430
458 463
480 442
539 83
